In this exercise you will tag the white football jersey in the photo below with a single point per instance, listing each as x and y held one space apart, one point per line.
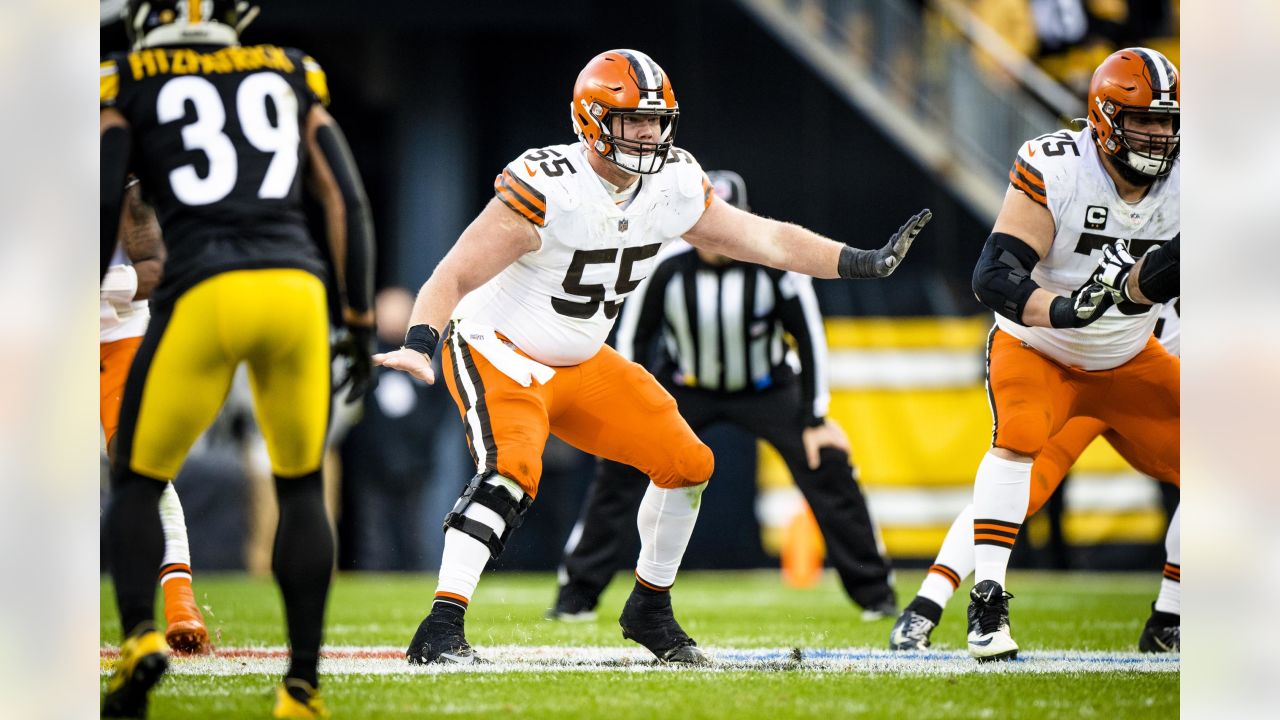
558 303
119 315
1063 172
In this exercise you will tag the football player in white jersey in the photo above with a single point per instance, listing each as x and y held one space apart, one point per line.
524 301
1069 340
123 315
955 562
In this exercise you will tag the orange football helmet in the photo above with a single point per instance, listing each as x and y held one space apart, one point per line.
618 83
1130 83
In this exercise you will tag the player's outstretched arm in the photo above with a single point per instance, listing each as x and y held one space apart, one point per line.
115 143
494 240
741 235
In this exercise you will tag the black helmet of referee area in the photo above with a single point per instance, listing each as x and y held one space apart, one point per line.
730 187
150 23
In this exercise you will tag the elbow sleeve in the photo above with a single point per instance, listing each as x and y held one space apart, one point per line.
360 241
1002 278
1158 278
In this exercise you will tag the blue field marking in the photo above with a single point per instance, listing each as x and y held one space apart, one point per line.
389 660
856 655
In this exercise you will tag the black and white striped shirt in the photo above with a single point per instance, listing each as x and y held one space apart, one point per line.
722 327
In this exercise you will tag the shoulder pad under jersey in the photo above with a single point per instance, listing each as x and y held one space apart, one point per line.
536 184
317 81
1045 167
108 82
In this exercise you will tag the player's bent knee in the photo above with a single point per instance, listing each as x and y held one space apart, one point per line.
692 465
1023 435
524 467
488 491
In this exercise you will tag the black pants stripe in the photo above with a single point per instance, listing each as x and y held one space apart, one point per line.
609 512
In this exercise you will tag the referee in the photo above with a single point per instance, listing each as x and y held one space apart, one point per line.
723 358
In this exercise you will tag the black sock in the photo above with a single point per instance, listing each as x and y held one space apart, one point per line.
1164 619
448 610
926 607
303 563
135 541
651 594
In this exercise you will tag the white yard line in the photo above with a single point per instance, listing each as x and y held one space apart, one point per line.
387 660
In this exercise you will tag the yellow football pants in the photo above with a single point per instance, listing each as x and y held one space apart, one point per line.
276 320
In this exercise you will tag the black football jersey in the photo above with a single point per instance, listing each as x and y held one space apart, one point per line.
217 145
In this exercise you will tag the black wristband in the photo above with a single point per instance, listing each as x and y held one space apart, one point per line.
1062 313
857 264
422 338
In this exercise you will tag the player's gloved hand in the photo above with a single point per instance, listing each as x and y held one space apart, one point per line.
1085 305
860 264
354 344
1114 268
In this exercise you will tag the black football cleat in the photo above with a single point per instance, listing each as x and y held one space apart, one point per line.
650 622
1162 633
442 641
572 606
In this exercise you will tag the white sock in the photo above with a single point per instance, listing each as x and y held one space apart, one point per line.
1170 598
665 520
954 562
1001 492
464 556
177 553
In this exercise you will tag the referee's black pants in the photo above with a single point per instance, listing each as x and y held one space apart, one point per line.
608 514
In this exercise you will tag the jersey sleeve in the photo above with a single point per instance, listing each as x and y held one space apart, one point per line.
108 83
1025 176
1045 169
523 186
314 79
693 191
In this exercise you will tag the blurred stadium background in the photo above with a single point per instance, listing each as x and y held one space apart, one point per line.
843 115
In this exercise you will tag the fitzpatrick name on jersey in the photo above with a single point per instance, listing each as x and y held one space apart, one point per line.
1063 172
558 303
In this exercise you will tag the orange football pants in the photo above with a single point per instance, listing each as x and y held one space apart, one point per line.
1033 398
606 406
114 360
1064 448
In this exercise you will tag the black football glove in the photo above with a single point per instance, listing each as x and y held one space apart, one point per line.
1114 268
355 346
1085 305
856 264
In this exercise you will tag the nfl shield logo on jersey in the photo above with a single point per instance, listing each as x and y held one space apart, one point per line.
623 224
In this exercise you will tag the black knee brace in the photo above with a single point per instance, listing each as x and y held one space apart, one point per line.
496 499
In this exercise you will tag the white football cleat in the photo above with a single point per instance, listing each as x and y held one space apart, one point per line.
989 637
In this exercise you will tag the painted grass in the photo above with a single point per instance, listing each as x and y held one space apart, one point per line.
740 613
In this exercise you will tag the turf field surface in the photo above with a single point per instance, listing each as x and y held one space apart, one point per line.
779 652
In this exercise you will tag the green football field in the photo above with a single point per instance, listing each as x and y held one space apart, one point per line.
781 653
